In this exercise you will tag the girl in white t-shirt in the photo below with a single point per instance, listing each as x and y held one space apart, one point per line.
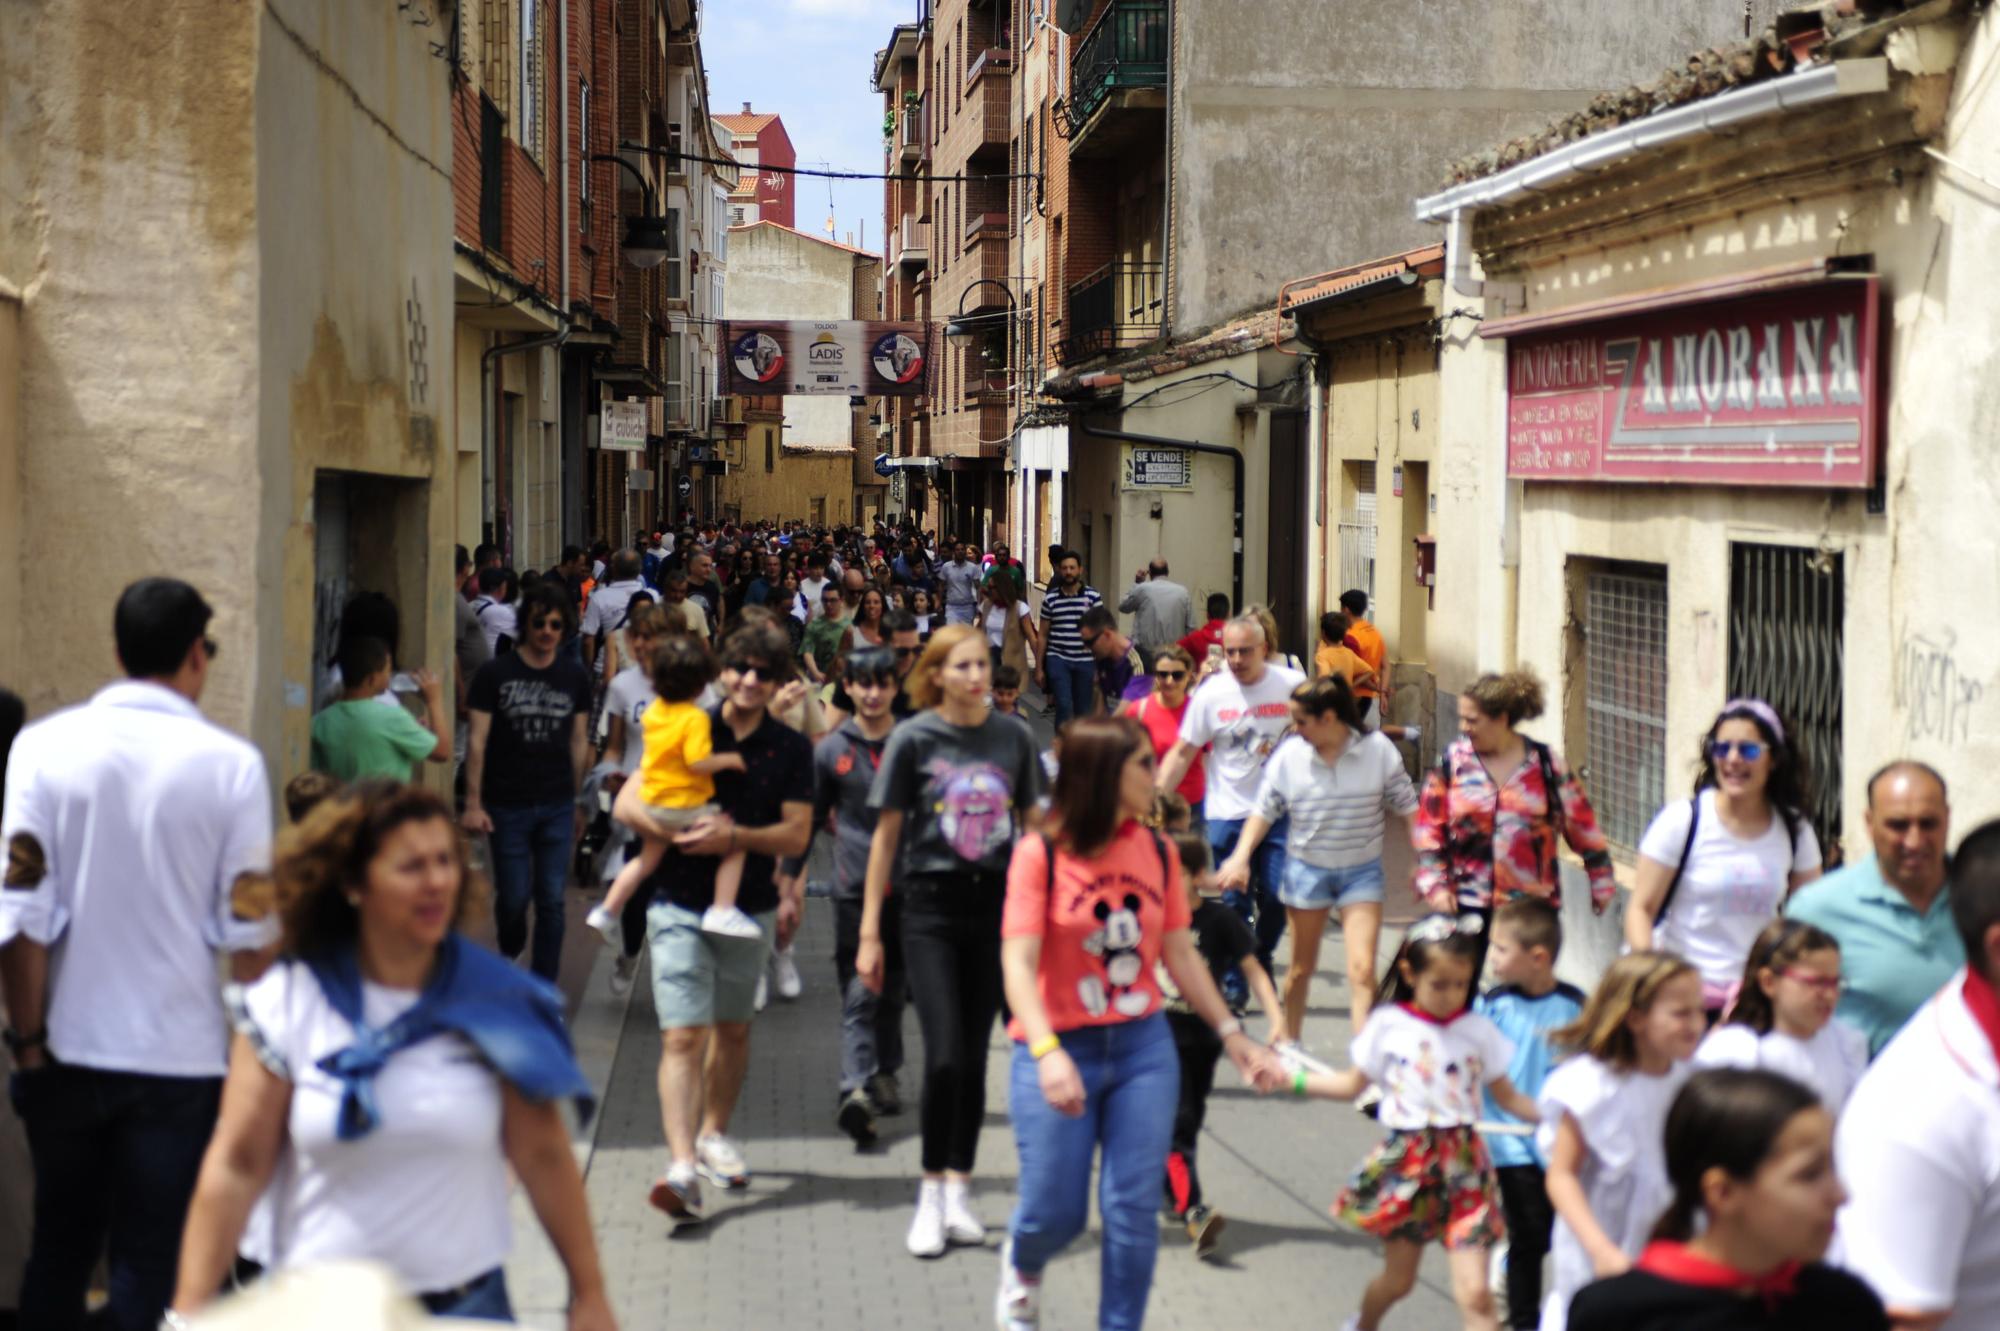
1604 1116
1783 1016
1431 1178
1714 870
625 703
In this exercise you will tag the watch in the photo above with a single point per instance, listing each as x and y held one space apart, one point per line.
17 1043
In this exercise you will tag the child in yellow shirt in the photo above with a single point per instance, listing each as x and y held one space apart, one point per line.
676 780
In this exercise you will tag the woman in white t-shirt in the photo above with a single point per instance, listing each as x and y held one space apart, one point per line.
389 1075
1714 870
1007 620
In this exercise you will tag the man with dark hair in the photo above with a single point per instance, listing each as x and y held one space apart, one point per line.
1891 912
703 589
1918 1146
705 985
138 841
496 617
1161 609
1066 668
1366 642
528 748
1197 643
1122 676
486 555
958 585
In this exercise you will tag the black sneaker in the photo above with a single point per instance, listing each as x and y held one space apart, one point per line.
856 1117
885 1095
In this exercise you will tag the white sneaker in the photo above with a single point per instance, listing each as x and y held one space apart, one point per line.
606 925
786 972
926 1236
1018 1307
678 1193
623 968
729 922
721 1161
961 1226
1353 1322
763 990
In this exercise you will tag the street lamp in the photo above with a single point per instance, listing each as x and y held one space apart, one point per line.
648 243
963 329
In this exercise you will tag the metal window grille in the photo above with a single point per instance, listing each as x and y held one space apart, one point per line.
1786 609
1625 697
1357 533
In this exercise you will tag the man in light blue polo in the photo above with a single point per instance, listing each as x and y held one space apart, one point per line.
1891 913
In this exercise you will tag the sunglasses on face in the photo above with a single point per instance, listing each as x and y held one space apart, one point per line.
551 622
211 646
1170 674
1747 749
1090 641
754 670
905 653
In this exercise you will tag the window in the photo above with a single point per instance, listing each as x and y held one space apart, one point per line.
1357 528
674 256
736 215
770 449
1624 631
528 127
584 163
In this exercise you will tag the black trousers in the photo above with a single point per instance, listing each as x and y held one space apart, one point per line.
951 951
1524 1199
1200 1052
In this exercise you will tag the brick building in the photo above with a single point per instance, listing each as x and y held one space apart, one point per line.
758 139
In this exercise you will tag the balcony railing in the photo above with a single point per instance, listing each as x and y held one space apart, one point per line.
1125 48
1116 306
912 141
913 243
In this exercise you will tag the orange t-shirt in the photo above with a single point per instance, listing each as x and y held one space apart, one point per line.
1102 934
1334 659
1369 646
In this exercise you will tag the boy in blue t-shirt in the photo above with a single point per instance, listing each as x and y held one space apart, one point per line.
1526 1004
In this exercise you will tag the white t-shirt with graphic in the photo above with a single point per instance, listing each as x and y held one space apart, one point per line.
1730 889
1243 724
1432 1073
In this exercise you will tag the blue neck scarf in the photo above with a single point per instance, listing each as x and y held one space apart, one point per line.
512 1017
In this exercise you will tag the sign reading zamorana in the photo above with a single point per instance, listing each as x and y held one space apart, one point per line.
840 357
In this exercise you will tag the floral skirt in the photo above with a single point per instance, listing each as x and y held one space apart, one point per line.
1422 1184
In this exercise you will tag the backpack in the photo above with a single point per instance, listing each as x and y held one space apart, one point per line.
1049 853
1790 816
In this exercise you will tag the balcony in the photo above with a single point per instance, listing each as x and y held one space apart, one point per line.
1118 79
984 227
911 143
989 103
1116 306
913 247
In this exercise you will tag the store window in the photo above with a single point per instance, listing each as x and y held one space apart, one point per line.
1620 615
1357 528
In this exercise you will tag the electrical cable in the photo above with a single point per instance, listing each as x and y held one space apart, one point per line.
656 151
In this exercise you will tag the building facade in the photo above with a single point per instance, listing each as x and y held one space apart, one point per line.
757 140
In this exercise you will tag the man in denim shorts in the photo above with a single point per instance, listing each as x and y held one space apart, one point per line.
705 985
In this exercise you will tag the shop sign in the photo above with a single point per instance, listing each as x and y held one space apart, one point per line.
1778 388
622 427
1159 469
854 358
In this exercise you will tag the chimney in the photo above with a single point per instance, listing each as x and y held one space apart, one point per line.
746 108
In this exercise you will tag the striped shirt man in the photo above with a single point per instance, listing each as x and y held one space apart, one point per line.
1061 613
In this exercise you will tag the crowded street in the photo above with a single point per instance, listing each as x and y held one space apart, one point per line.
1032 664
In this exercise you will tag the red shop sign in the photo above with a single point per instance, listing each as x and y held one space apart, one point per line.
1779 388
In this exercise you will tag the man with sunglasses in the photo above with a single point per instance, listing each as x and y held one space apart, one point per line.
138 840
705 985
1121 671
528 748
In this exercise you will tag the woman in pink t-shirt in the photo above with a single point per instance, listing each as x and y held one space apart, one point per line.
1092 908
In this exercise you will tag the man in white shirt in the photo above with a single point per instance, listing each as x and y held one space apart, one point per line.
138 847
1919 1143
958 584
1239 717
812 587
605 614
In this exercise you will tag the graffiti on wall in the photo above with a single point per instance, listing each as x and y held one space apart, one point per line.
1936 697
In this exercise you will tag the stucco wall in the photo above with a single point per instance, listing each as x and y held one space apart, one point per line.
795 480
1302 132
1919 677
353 143
126 159
10 485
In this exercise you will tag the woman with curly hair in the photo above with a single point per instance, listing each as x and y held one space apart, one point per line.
387 1075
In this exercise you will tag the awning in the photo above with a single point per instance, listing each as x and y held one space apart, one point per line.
1365 279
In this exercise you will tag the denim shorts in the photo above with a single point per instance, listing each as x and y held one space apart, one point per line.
1309 887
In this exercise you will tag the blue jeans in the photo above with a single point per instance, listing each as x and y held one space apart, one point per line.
483 1300
1259 905
531 847
1070 685
115 1156
1131 1082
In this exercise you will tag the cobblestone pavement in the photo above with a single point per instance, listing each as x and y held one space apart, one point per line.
817 1238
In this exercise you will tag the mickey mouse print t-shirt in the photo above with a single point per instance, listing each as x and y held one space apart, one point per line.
1431 1072
959 789
1101 934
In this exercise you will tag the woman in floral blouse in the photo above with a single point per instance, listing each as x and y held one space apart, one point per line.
1485 830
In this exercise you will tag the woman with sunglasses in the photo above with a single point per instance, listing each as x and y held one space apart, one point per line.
1160 713
1715 869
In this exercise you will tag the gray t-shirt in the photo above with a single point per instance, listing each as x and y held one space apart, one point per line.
468 639
844 767
959 788
960 583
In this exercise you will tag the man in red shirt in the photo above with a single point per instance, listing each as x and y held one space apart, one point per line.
1197 643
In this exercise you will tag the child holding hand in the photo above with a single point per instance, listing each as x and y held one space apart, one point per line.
677 785
1431 1179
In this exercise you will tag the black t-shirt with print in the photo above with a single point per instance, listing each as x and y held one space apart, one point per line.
780 772
528 760
1221 939
1824 1298
960 790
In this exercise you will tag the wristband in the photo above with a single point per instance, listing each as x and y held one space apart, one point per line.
1225 1029
1299 1083
1043 1047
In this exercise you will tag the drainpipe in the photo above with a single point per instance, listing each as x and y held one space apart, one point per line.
486 359
562 151
1167 310
1236 460
1458 267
